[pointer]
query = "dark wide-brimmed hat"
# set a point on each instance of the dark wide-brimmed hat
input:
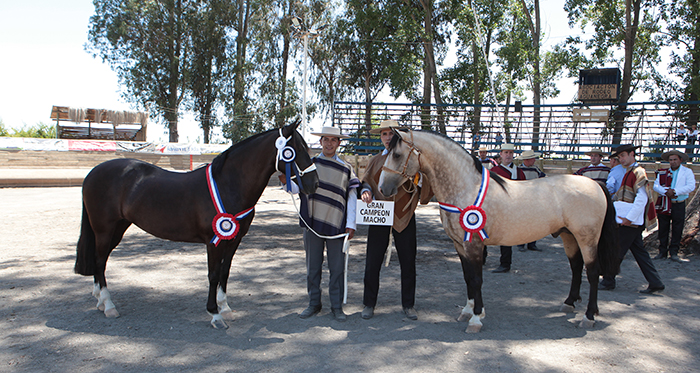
(384, 125)
(624, 148)
(684, 157)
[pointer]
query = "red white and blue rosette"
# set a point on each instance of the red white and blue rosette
(472, 218)
(225, 225)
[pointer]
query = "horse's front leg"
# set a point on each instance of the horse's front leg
(215, 264)
(471, 258)
(221, 300)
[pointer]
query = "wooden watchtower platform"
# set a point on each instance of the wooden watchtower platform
(99, 124)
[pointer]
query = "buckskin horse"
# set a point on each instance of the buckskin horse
(480, 208)
(212, 205)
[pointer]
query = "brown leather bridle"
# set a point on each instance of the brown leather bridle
(413, 150)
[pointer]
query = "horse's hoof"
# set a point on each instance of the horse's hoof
(112, 312)
(464, 317)
(567, 308)
(586, 323)
(101, 307)
(228, 315)
(473, 328)
(218, 322)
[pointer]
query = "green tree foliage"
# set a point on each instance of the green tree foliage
(148, 44)
(207, 74)
(39, 130)
(3, 131)
(683, 20)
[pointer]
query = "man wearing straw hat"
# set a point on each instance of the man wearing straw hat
(485, 160)
(327, 215)
(531, 171)
(403, 229)
(596, 170)
(507, 170)
(673, 185)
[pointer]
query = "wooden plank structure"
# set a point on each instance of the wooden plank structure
(99, 124)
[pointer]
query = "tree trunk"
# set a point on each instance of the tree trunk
(630, 35)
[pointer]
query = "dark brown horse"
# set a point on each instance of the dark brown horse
(180, 206)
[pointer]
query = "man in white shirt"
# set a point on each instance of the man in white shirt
(673, 185)
(634, 212)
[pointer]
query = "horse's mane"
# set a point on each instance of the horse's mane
(475, 161)
(218, 163)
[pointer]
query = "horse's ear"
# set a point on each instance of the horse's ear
(290, 128)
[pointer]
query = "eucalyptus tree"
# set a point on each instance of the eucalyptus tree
(207, 74)
(148, 44)
(429, 23)
(683, 33)
(329, 55)
(625, 34)
(468, 80)
(371, 43)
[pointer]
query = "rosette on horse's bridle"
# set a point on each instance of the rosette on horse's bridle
(286, 154)
(225, 225)
(472, 218)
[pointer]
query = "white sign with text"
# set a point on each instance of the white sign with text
(375, 213)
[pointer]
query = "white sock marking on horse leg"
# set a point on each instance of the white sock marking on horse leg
(475, 323)
(467, 311)
(96, 293)
(218, 322)
(106, 299)
(222, 303)
(586, 323)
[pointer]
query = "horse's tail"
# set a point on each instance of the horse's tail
(608, 247)
(85, 260)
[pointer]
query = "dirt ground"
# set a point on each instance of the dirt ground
(50, 323)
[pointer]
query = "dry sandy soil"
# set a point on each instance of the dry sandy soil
(49, 322)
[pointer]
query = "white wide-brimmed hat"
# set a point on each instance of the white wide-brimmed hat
(596, 151)
(528, 154)
(330, 132)
(385, 124)
(507, 147)
(483, 149)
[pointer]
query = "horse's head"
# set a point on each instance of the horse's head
(299, 161)
(402, 162)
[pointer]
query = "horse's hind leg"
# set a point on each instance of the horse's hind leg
(104, 244)
(576, 264)
(588, 321)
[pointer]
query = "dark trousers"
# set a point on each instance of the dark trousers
(377, 242)
(671, 224)
(631, 239)
(506, 256)
(314, 265)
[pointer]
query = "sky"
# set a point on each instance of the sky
(44, 63)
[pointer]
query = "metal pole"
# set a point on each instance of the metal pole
(303, 105)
